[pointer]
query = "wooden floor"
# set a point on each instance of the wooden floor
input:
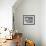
(9, 43)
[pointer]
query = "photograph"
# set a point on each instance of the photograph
(29, 19)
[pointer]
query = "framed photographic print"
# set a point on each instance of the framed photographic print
(28, 19)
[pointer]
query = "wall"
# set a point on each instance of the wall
(43, 22)
(29, 7)
(6, 13)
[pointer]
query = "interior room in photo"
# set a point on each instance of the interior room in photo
(22, 22)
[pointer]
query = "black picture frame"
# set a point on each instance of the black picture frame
(28, 19)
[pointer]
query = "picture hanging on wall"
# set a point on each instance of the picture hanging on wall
(28, 19)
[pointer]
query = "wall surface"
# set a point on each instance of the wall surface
(43, 22)
(6, 13)
(34, 32)
(29, 7)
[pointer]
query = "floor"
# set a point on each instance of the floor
(9, 43)
(13, 42)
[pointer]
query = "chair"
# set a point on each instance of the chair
(29, 43)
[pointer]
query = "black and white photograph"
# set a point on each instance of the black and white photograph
(28, 19)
